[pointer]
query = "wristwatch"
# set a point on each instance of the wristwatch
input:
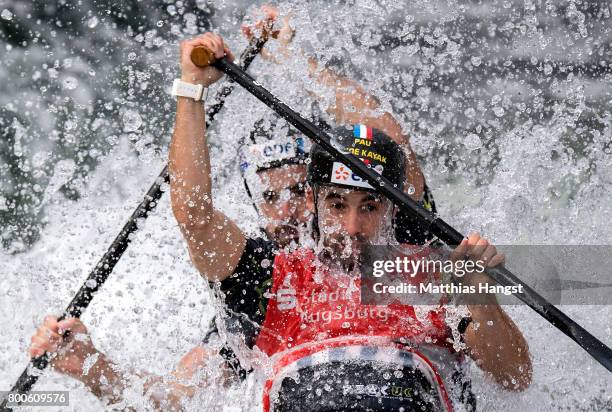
(196, 91)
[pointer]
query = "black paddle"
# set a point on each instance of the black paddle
(105, 266)
(603, 354)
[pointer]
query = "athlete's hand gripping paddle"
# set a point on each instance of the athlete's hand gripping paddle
(441, 229)
(105, 266)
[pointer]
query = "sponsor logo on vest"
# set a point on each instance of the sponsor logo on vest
(379, 391)
(370, 390)
(286, 299)
(345, 313)
(323, 297)
(401, 391)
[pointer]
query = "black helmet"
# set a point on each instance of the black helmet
(372, 146)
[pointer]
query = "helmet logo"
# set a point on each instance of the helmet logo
(341, 173)
(263, 155)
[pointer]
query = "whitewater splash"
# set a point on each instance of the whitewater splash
(506, 104)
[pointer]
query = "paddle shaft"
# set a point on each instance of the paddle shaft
(105, 266)
(437, 226)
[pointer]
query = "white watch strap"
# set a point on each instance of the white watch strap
(195, 91)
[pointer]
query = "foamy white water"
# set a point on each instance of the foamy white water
(519, 151)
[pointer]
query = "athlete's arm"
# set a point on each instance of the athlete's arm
(215, 242)
(70, 355)
(77, 357)
(498, 347)
(170, 393)
(493, 339)
(352, 103)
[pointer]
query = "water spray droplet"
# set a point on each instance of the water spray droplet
(472, 141)
(92, 22)
(6, 14)
(131, 121)
(499, 111)
(70, 83)
(548, 69)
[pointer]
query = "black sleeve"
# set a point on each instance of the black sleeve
(245, 291)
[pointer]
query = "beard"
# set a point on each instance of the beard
(338, 249)
(287, 233)
(342, 251)
(344, 246)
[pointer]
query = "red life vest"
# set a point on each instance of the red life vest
(307, 304)
(309, 309)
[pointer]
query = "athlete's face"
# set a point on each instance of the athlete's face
(349, 219)
(283, 202)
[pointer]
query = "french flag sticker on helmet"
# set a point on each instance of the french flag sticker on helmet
(361, 131)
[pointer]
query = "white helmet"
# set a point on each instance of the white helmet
(270, 146)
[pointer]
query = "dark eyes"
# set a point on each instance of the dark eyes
(368, 207)
(298, 190)
(270, 196)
